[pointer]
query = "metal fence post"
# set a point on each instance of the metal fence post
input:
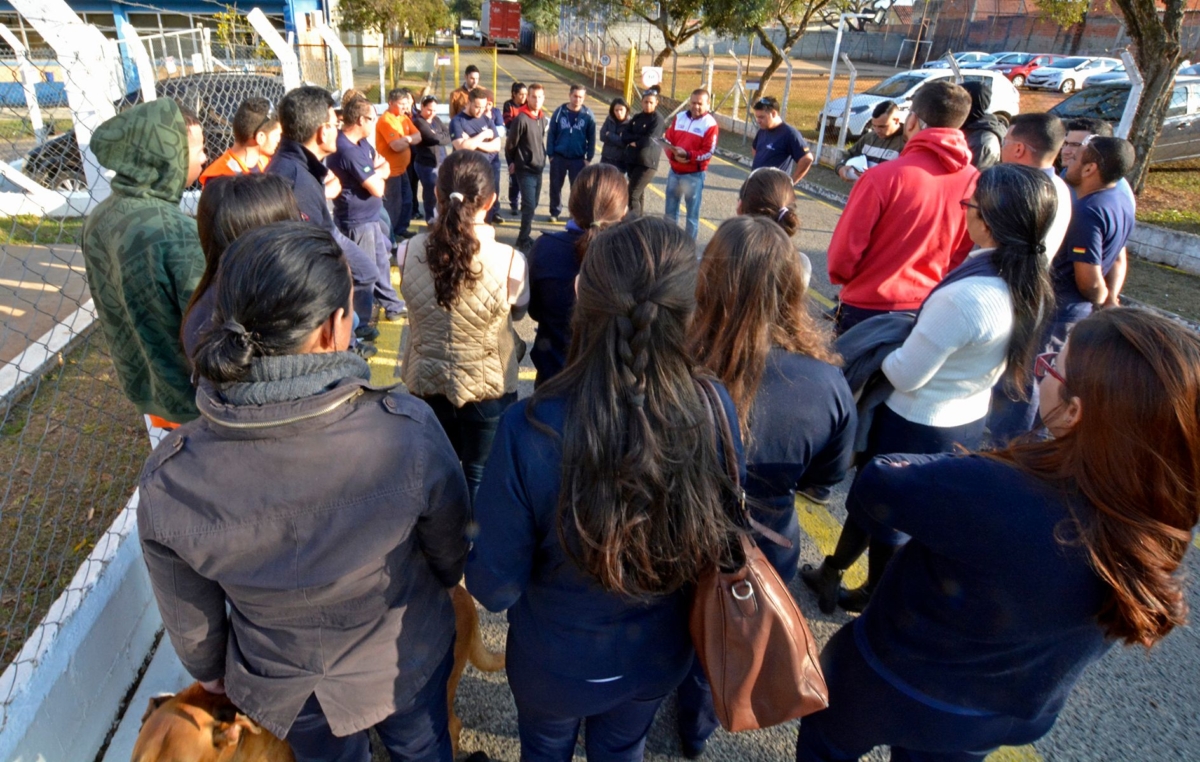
(206, 47)
(289, 64)
(345, 67)
(708, 69)
(137, 51)
(1136, 83)
(29, 77)
(383, 88)
(849, 98)
(456, 69)
(787, 84)
(495, 68)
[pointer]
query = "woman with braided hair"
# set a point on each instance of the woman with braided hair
(463, 290)
(602, 505)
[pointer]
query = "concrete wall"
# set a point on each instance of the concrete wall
(1165, 246)
(64, 691)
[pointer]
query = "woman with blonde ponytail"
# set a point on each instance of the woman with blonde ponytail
(599, 199)
(602, 504)
(463, 290)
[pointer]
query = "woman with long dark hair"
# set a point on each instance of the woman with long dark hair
(769, 192)
(1027, 564)
(229, 206)
(329, 515)
(753, 330)
(599, 199)
(463, 290)
(603, 503)
(981, 325)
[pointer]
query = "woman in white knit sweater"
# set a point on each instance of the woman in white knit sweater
(982, 320)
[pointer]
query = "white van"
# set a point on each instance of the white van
(468, 29)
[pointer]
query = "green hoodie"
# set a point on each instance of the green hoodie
(143, 256)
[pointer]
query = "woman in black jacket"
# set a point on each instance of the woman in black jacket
(335, 570)
(643, 152)
(614, 134)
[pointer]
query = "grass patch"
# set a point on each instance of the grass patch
(30, 229)
(15, 129)
(1171, 196)
(75, 447)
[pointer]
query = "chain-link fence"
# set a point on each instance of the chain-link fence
(71, 445)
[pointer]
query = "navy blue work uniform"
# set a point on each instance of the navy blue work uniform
(802, 426)
(552, 272)
(306, 175)
(570, 145)
(780, 147)
(356, 211)
(465, 126)
(575, 652)
(981, 625)
(427, 156)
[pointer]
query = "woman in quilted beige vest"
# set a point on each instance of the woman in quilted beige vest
(463, 291)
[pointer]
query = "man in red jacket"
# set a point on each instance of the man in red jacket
(904, 226)
(693, 138)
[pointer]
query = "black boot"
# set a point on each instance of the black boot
(878, 556)
(825, 581)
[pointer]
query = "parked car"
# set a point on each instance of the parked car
(1067, 75)
(987, 61)
(961, 58)
(899, 88)
(1018, 66)
(214, 97)
(1116, 75)
(1180, 137)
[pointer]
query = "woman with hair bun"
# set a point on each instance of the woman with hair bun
(599, 199)
(463, 291)
(769, 192)
(1027, 564)
(981, 325)
(296, 500)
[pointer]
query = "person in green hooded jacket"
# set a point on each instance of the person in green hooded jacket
(143, 254)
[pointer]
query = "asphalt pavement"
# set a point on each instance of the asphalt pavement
(1133, 705)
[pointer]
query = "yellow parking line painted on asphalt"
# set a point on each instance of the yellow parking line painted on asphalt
(385, 365)
(1014, 754)
(527, 374)
(824, 530)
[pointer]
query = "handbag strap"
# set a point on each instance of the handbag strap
(724, 432)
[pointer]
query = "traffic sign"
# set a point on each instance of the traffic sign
(605, 60)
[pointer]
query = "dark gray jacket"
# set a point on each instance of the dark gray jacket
(333, 525)
(863, 349)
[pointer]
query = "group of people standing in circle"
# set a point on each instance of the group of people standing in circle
(302, 532)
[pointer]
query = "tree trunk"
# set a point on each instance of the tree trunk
(778, 54)
(672, 39)
(1157, 53)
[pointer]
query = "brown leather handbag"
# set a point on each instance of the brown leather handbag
(754, 644)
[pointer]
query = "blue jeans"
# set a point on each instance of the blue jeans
(471, 429)
(560, 170)
(689, 189)
(428, 178)
(373, 239)
(866, 711)
(397, 200)
(418, 732)
(530, 186)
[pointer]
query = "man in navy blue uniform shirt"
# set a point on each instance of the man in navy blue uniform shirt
(570, 144)
(474, 130)
(1089, 268)
(356, 210)
(309, 125)
(778, 144)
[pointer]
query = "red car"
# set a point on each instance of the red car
(1016, 66)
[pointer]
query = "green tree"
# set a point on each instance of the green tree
(393, 18)
(677, 20)
(542, 14)
(762, 18)
(1156, 29)
(466, 9)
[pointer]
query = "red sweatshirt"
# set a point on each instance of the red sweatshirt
(697, 136)
(903, 227)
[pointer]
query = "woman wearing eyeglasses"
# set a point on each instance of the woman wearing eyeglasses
(1027, 564)
(980, 324)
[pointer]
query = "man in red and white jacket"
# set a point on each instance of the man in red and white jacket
(693, 138)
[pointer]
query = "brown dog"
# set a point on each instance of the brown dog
(197, 726)
(468, 646)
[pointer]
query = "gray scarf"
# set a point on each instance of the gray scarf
(284, 378)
